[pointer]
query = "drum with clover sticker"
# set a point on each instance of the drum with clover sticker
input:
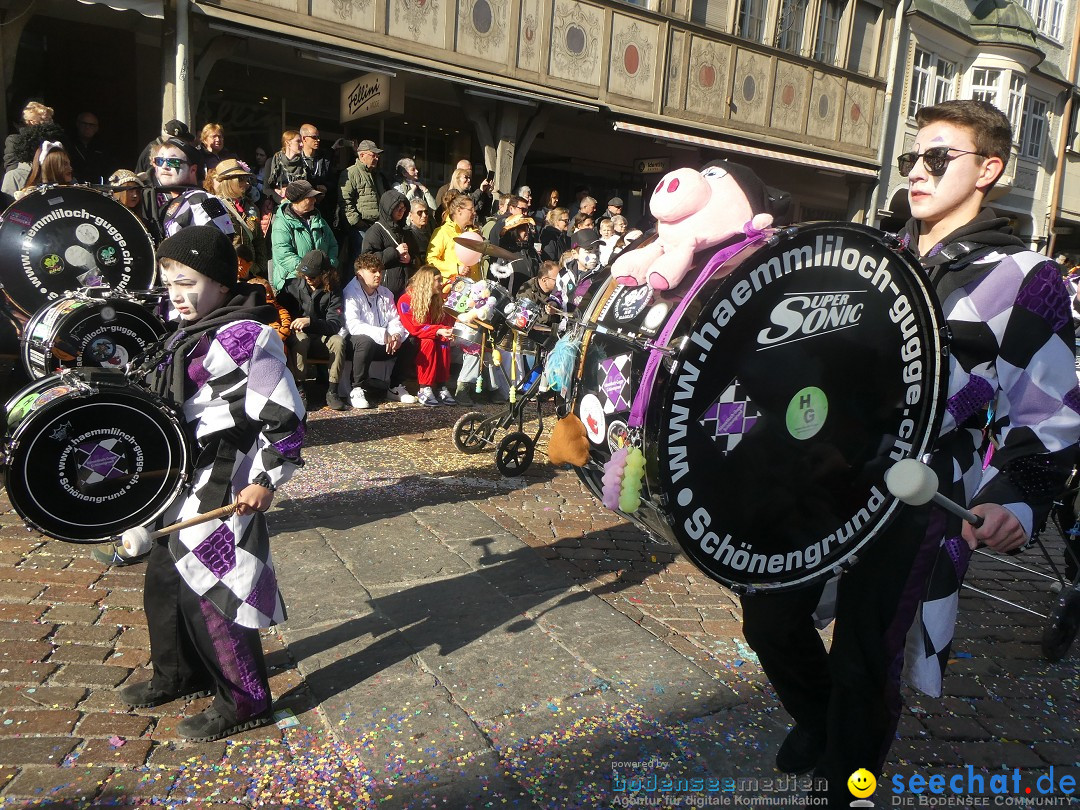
(768, 394)
(57, 239)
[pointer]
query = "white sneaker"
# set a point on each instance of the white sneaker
(358, 399)
(445, 397)
(427, 397)
(399, 393)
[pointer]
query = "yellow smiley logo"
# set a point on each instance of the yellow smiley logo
(861, 783)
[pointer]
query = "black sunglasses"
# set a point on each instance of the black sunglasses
(936, 160)
(172, 162)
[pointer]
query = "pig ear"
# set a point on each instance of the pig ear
(761, 221)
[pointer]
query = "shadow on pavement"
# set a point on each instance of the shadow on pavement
(502, 598)
(398, 495)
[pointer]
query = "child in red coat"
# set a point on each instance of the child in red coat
(422, 314)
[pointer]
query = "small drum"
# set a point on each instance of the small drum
(468, 337)
(88, 328)
(769, 394)
(60, 238)
(87, 454)
(522, 315)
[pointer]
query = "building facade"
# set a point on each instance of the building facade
(818, 96)
(1017, 55)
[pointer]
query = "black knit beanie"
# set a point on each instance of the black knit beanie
(205, 249)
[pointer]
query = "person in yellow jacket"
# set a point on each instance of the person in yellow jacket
(459, 218)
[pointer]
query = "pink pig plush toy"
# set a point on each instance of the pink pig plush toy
(694, 210)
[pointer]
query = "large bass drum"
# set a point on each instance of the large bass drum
(769, 393)
(59, 238)
(87, 454)
(91, 328)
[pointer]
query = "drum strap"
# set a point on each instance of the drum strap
(656, 354)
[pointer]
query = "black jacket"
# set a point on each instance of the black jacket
(324, 307)
(383, 237)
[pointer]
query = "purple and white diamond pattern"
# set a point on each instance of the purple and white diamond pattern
(729, 416)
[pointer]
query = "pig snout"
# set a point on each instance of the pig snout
(679, 194)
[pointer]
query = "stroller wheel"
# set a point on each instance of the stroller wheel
(472, 433)
(1064, 624)
(515, 454)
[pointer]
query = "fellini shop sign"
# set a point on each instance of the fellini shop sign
(373, 95)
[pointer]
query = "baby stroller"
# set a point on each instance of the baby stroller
(476, 431)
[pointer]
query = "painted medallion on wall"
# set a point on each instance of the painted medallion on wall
(858, 115)
(482, 29)
(751, 98)
(575, 42)
(826, 99)
(419, 20)
(707, 78)
(633, 49)
(529, 35)
(790, 97)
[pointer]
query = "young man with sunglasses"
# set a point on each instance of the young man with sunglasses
(180, 202)
(1011, 353)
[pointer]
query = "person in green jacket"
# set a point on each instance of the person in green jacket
(298, 228)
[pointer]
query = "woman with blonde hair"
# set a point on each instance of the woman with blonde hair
(441, 250)
(423, 316)
(34, 113)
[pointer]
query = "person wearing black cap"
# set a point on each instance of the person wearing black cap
(211, 588)
(314, 301)
(586, 246)
(297, 229)
(170, 129)
(180, 201)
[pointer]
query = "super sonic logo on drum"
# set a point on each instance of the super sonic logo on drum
(814, 365)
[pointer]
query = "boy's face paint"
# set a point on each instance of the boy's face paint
(946, 198)
(192, 294)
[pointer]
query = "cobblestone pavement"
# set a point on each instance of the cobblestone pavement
(460, 639)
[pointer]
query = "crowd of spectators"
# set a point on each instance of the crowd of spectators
(357, 262)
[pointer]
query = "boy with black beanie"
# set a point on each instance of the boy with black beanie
(210, 588)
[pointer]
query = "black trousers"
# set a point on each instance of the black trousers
(193, 645)
(848, 696)
(366, 351)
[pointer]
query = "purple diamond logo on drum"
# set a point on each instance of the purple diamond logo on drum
(615, 383)
(99, 461)
(730, 416)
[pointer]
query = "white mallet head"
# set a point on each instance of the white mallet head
(911, 481)
(137, 541)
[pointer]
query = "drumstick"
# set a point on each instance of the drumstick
(915, 483)
(137, 541)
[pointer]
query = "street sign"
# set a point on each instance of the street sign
(651, 165)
